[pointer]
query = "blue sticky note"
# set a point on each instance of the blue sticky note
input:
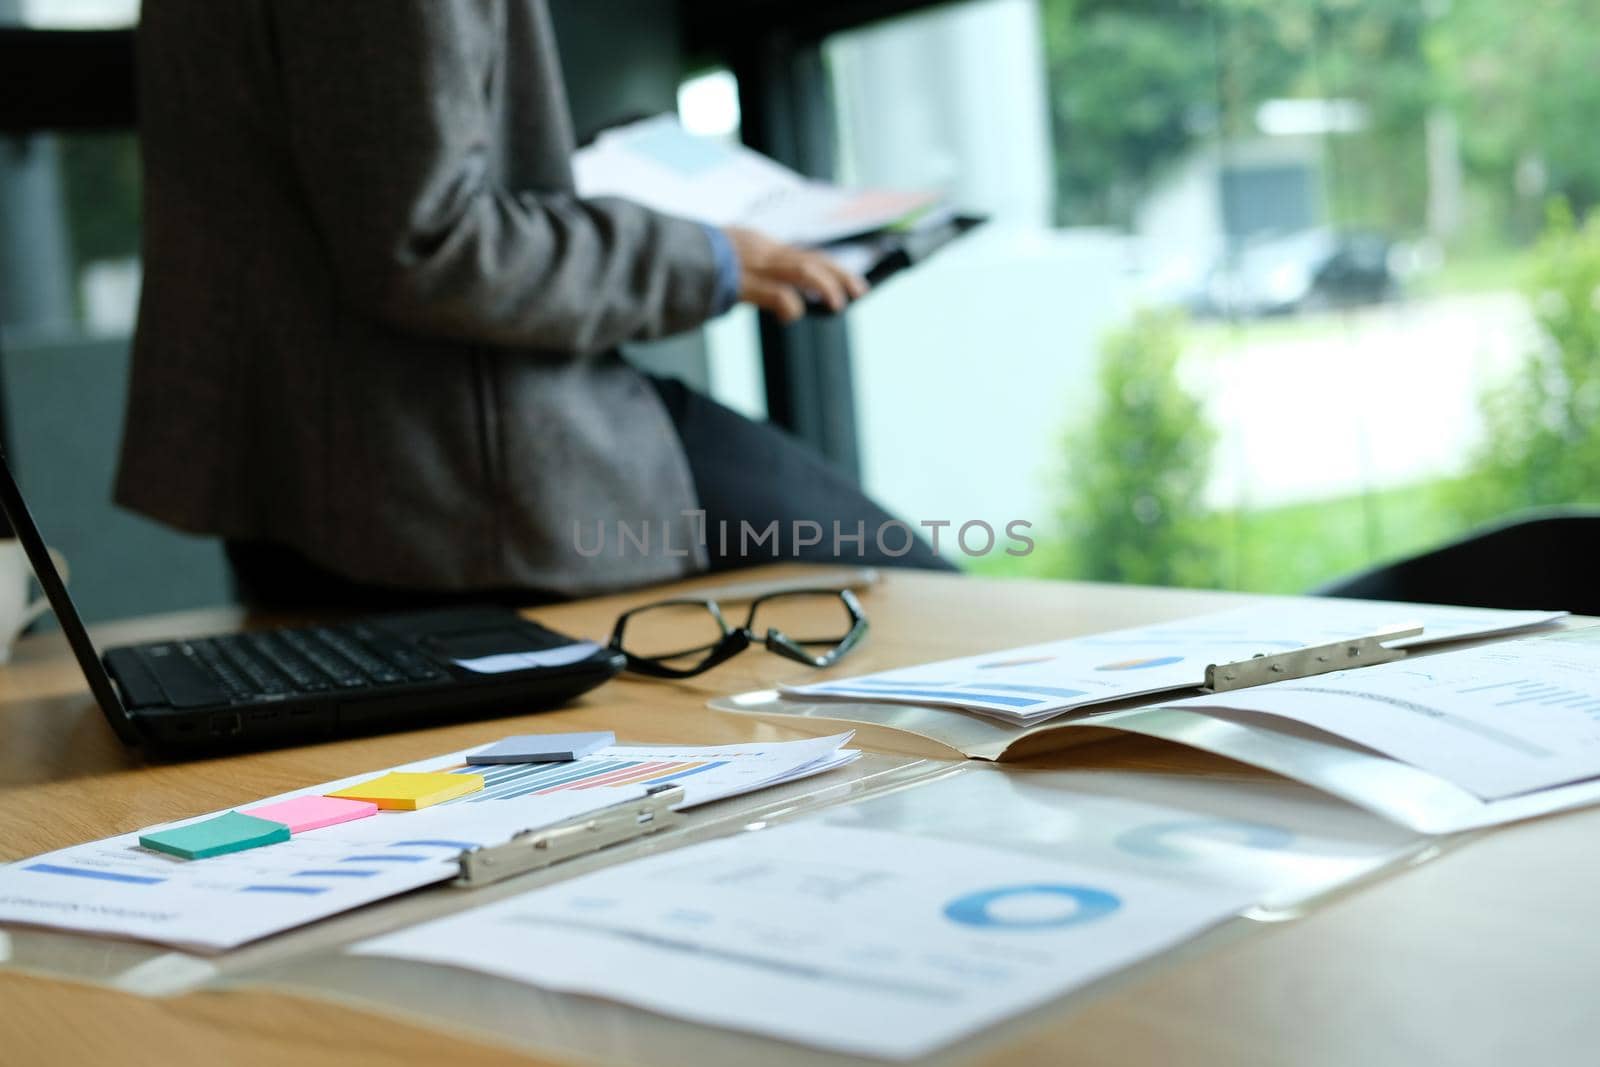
(232, 832)
(544, 748)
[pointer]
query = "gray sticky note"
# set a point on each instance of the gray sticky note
(544, 748)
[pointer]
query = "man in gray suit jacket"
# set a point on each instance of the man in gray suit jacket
(377, 339)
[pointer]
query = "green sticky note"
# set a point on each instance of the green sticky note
(232, 832)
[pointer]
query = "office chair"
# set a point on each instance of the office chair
(1537, 559)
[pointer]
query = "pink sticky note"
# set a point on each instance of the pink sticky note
(313, 813)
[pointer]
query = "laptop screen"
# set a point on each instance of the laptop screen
(55, 590)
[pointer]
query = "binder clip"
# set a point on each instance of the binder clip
(1308, 662)
(534, 850)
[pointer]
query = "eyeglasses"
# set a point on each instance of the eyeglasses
(683, 638)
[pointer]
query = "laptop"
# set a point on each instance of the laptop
(295, 684)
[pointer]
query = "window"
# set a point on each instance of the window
(1271, 292)
(69, 284)
(708, 105)
(69, 267)
(69, 206)
(69, 14)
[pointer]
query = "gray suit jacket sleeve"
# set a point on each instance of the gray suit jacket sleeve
(400, 155)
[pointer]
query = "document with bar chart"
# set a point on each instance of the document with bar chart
(116, 887)
(1498, 721)
(1026, 686)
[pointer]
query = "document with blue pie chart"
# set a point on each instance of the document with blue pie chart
(1029, 685)
(862, 941)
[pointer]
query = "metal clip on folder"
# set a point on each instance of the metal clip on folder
(534, 850)
(1308, 662)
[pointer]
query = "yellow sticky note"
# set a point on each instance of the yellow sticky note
(409, 790)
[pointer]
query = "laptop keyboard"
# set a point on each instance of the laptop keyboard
(279, 663)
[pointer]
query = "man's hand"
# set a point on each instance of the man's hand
(777, 277)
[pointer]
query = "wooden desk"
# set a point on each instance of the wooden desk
(1489, 953)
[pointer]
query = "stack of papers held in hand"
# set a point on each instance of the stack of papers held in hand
(656, 162)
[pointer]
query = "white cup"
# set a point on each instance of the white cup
(16, 610)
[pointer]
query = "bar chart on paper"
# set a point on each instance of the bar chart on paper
(705, 773)
(532, 780)
(1538, 692)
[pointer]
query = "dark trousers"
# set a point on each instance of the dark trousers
(748, 475)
